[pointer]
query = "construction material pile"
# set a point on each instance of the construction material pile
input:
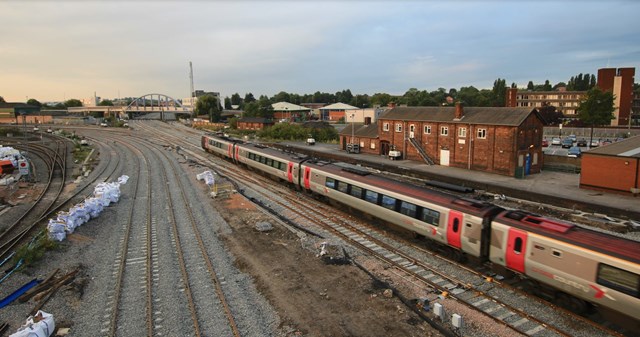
(10, 154)
(66, 222)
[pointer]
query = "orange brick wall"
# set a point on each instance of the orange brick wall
(610, 173)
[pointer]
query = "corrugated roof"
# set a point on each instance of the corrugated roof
(626, 148)
(286, 106)
(339, 106)
(471, 115)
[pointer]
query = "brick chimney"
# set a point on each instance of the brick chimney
(459, 111)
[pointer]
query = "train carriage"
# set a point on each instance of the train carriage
(281, 165)
(219, 145)
(589, 266)
(449, 220)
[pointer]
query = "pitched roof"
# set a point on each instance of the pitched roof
(626, 148)
(339, 106)
(471, 115)
(286, 106)
(361, 130)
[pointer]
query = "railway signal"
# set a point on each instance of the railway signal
(23, 166)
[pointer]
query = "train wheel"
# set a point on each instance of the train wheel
(571, 303)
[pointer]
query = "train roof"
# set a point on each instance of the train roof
(368, 178)
(285, 155)
(608, 244)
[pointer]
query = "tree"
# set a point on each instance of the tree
(549, 114)
(2, 100)
(208, 104)
(105, 102)
(34, 102)
(596, 108)
(248, 98)
(547, 86)
(227, 103)
(72, 103)
(499, 92)
(530, 86)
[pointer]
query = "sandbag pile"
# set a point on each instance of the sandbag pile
(40, 325)
(10, 154)
(207, 176)
(66, 222)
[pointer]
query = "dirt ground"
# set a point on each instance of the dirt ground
(313, 298)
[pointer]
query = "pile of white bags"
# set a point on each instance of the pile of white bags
(207, 176)
(66, 222)
(40, 325)
(11, 154)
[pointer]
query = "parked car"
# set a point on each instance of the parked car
(595, 143)
(567, 143)
(555, 141)
(573, 138)
(103, 124)
(606, 142)
(49, 130)
(545, 143)
(574, 152)
(582, 142)
(35, 128)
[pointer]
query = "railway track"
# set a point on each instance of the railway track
(473, 289)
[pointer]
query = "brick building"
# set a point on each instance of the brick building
(254, 123)
(566, 102)
(620, 83)
(505, 141)
(613, 168)
(336, 112)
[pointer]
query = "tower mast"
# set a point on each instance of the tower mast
(193, 93)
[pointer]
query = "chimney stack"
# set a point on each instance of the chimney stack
(459, 111)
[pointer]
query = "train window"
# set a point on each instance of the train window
(343, 187)
(252, 156)
(283, 166)
(456, 225)
(268, 161)
(388, 202)
(517, 246)
(430, 216)
(408, 209)
(556, 253)
(618, 279)
(330, 182)
(371, 196)
(356, 191)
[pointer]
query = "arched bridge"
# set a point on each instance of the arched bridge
(155, 106)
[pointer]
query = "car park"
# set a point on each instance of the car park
(555, 141)
(581, 142)
(574, 152)
(567, 143)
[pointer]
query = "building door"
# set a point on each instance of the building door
(384, 148)
(412, 129)
(516, 249)
(454, 228)
(444, 157)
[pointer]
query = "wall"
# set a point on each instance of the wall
(610, 173)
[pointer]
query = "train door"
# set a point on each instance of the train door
(516, 249)
(290, 172)
(230, 151)
(307, 178)
(237, 157)
(454, 228)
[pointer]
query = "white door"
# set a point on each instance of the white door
(444, 157)
(412, 128)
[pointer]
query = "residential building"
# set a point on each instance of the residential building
(566, 102)
(620, 83)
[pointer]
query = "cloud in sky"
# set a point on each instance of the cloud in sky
(68, 49)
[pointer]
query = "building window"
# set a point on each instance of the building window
(385, 127)
(372, 145)
(462, 132)
(398, 127)
(444, 131)
(482, 133)
(427, 129)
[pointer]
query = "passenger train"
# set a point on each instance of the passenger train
(576, 267)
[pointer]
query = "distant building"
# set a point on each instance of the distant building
(285, 111)
(620, 83)
(17, 113)
(566, 102)
(254, 123)
(336, 112)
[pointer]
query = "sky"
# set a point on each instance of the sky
(58, 50)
